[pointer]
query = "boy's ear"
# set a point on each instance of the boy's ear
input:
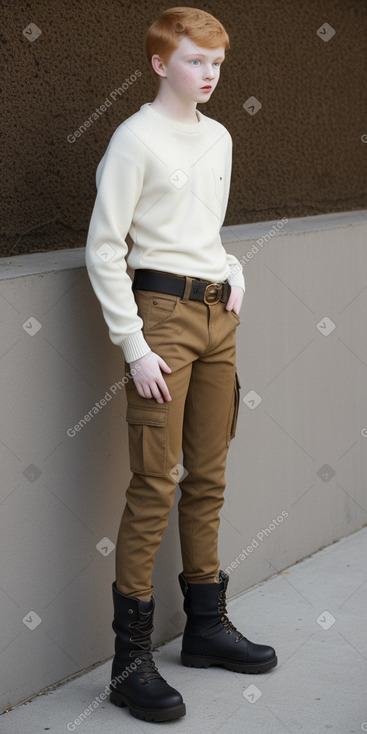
(158, 65)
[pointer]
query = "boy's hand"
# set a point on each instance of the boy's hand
(149, 380)
(235, 299)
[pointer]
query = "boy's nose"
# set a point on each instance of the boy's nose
(209, 73)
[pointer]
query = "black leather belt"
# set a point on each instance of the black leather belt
(201, 290)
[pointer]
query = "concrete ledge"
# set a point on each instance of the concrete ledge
(41, 262)
(297, 225)
(46, 262)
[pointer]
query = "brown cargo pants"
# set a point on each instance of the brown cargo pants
(198, 342)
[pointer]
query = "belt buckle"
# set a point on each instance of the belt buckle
(213, 293)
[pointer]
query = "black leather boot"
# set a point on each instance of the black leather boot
(136, 682)
(211, 639)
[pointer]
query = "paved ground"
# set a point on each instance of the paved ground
(314, 614)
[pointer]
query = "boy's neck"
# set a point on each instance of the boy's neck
(176, 109)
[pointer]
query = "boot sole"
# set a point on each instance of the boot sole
(201, 661)
(174, 712)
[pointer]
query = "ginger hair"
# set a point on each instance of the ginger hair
(200, 27)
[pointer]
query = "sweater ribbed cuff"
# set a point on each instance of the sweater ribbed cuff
(134, 347)
(237, 279)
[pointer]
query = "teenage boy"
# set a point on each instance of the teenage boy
(164, 181)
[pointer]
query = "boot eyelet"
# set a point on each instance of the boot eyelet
(131, 611)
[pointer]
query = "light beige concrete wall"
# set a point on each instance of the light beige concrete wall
(296, 469)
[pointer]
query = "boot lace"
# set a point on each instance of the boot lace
(227, 624)
(147, 668)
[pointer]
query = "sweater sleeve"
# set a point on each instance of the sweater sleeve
(236, 276)
(119, 183)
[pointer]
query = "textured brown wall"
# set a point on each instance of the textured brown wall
(302, 153)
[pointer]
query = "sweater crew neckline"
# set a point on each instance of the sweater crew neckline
(196, 128)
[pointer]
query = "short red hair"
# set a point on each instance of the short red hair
(165, 33)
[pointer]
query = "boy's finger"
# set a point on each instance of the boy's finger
(157, 395)
(164, 366)
(164, 390)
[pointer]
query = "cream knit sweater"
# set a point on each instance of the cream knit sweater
(165, 184)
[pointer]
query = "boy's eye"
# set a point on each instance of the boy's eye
(197, 61)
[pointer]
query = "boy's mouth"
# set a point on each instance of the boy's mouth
(207, 87)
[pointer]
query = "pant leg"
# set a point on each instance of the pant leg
(155, 438)
(209, 424)
(155, 444)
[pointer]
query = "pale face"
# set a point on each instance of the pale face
(189, 70)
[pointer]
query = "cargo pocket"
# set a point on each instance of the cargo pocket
(147, 439)
(233, 416)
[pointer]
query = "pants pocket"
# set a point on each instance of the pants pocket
(160, 309)
(233, 416)
(147, 439)
(235, 317)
